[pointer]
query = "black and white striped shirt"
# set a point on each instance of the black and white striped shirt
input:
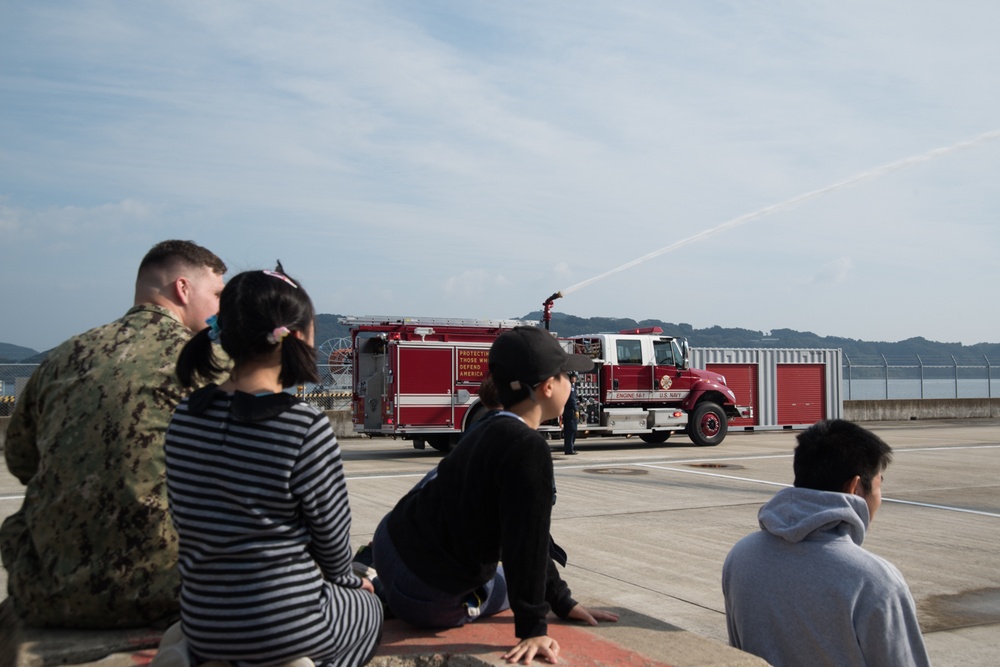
(258, 497)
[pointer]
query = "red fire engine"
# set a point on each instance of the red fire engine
(418, 379)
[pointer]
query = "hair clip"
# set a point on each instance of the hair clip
(213, 328)
(276, 336)
(281, 276)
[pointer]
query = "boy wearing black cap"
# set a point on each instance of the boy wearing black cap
(437, 552)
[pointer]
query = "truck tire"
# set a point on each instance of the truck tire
(442, 443)
(708, 425)
(478, 413)
(655, 438)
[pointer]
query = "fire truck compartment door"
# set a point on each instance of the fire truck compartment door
(373, 388)
(425, 380)
(666, 418)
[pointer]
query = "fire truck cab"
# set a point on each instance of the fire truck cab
(643, 384)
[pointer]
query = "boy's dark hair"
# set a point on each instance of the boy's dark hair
(522, 357)
(508, 397)
(252, 305)
(832, 452)
(188, 253)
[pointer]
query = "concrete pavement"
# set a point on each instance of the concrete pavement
(647, 528)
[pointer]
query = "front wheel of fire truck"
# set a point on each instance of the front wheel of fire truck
(708, 425)
(655, 438)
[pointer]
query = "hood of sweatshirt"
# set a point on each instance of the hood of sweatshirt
(795, 514)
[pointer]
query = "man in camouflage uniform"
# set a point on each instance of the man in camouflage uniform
(93, 545)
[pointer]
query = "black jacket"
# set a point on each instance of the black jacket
(491, 500)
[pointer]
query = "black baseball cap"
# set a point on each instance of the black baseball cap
(525, 356)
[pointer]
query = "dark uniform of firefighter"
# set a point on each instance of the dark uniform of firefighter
(569, 418)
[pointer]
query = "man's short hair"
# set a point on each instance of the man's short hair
(169, 254)
(832, 452)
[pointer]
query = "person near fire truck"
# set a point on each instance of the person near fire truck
(92, 545)
(438, 552)
(569, 419)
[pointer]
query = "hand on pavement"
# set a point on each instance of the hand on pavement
(591, 616)
(527, 649)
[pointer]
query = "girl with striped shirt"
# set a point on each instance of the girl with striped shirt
(257, 494)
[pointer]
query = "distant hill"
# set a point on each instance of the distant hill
(15, 353)
(329, 331)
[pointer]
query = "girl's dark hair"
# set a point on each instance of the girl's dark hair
(253, 304)
(488, 394)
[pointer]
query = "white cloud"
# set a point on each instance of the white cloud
(28, 226)
(562, 271)
(411, 155)
(10, 221)
(473, 283)
(836, 271)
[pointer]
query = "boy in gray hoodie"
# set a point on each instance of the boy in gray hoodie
(802, 590)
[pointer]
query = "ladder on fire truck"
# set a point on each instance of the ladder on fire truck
(378, 320)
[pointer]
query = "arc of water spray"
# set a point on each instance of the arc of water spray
(736, 222)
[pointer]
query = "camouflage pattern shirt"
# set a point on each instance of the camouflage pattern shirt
(93, 545)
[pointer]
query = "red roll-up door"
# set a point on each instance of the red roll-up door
(742, 379)
(801, 393)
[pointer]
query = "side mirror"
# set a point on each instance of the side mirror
(685, 355)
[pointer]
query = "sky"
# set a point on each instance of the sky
(462, 158)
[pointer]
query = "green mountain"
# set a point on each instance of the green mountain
(15, 353)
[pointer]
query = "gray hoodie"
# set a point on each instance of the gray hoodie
(802, 591)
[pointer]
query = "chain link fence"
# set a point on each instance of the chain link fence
(12, 379)
(872, 379)
(918, 378)
(334, 389)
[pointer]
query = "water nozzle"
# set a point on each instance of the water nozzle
(547, 308)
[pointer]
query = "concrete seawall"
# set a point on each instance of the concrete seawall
(927, 408)
(858, 411)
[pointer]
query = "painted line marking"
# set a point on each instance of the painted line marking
(767, 483)
(664, 465)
